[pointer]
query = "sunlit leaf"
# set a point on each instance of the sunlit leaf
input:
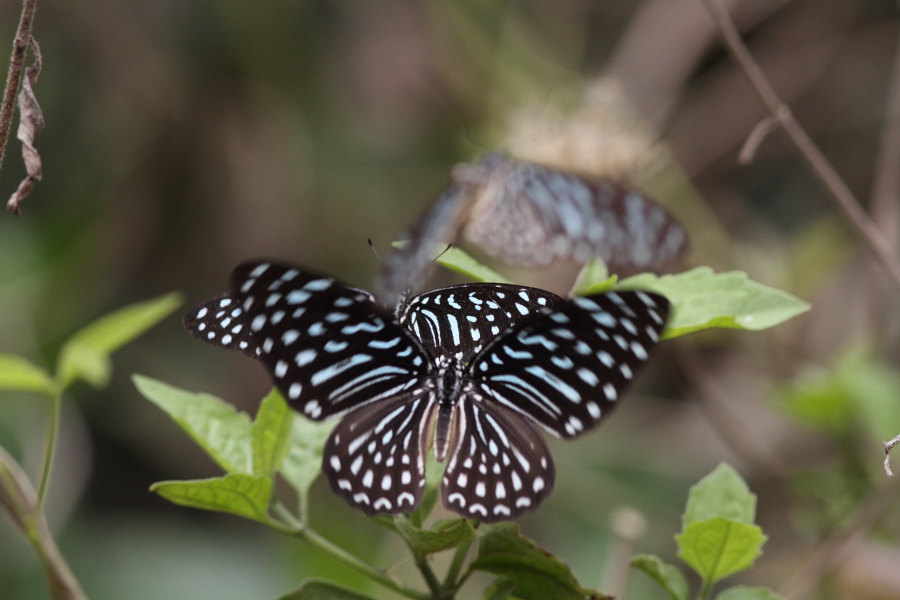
(17, 373)
(595, 279)
(537, 574)
(722, 493)
(270, 433)
(443, 535)
(315, 589)
(236, 493)
(459, 261)
(703, 299)
(719, 547)
(669, 577)
(216, 426)
(85, 355)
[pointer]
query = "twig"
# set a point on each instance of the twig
(756, 137)
(817, 162)
(888, 446)
(291, 525)
(14, 76)
(838, 545)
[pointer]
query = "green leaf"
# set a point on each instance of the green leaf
(501, 589)
(722, 493)
(719, 547)
(857, 390)
(270, 433)
(740, 592)
(216, 426)
(236, 493)
(595, 279)
(85, 355)
(317, 589)
(537, 574)
(443, 535)
(460, 261)
(303, 461)
(702, 299)
(669, 577)
(18, 373)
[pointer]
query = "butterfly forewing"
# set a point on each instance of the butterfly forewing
(327, 347)
(567, 367)
(375, 457)
(501, 466)
(460, 320)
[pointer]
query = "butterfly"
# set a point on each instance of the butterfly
(479, 368)
(529, 214)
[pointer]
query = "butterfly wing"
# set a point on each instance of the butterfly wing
(328, 348)
(501, 466)
(530, 214)
(460, 320)
(567, 367)
(409, 267)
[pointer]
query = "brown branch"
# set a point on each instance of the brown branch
(14, 76)
(840, 193)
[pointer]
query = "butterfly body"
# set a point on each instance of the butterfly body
(477, 368)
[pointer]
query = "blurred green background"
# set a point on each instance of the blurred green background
(185, 136)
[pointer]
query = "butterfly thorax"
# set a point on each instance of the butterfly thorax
(449, 382)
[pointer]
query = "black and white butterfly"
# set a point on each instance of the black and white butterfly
(480, 366)
(529, 214)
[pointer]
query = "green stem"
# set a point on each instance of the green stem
(53, 418)
(459, 557)
(291, 525)
(704, 592)
(427, 573)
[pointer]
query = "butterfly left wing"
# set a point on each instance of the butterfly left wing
(375, 457)
(461, 319)
(327, 347)
(567, 367)
(501, 466)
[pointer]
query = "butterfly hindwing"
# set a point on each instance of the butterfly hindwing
(501, 467)
(327, 346)
(375, 457)
(567, 367)
(460, 320)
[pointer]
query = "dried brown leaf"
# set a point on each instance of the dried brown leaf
(31, 123)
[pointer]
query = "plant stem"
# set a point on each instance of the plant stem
(705, 590)
(459, 557)
(427, 573)
(55, 410)
(841, 195)
(14, 76)
(291, 525)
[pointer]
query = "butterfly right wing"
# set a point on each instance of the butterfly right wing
(328, 348)
(501, 466)
(461, 319)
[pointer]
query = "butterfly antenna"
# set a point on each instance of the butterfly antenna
(443, 252)
(375, 252)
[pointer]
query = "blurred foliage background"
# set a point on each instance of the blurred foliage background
(184, 136)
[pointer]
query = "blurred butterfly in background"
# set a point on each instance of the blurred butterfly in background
(527, 214)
